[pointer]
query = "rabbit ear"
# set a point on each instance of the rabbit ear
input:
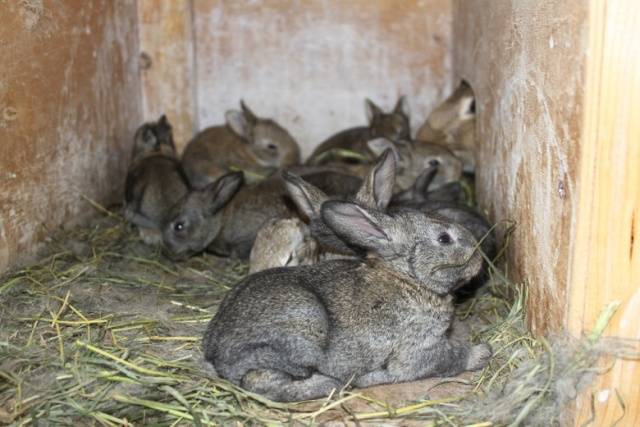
(238, 123)
(402, 106)
(373, 111)
(308, 198)
(164, 122)
(222, 191)
(467, 108)
(418, 191)
(355, 225)
(377, 188)
(248, 114)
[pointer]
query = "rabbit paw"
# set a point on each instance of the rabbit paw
(479, 356)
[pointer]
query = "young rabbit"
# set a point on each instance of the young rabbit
(445, 202)
(155, 181)
(375, 192)
(452, 124)
(225, 216)
(283, 243)
(393, 126)
(413, 159)
(291, 242)
(246, 142)
(298, 333)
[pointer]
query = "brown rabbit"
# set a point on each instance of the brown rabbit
(155, 181)
(246, 142)
(452, 124)
(393, 126)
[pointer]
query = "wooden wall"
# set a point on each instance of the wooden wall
(558, 100)
(69, 103)
(525, 61)
(606, 250)
(308, 64)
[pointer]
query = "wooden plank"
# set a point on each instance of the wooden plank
(68, 111)
(525, 61)
(606, 250)
(167, 64)
(310, 64)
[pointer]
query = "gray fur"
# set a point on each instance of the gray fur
(297, 333)
(155, 181)
(230, 228)
(374, 192)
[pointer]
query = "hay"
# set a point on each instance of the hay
(104, 330)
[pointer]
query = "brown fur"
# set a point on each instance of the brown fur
(452, 124)
(393, 125)
(246, 142)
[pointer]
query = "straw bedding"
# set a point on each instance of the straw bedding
(104, 330)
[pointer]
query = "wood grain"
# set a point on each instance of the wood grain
(167, 50)
(69, 105)
(525, 62)
(606, 250)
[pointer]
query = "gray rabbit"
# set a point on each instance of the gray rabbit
(225, 216)
(155, 181)
(298, 333)
(375, 192)
(246, 142)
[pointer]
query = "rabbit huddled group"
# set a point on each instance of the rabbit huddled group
(354, 256)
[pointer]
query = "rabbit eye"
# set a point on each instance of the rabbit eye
(271, 146)
(178, 226)
(434, 162)
(445, 239)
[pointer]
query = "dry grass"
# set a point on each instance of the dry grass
(106, 331)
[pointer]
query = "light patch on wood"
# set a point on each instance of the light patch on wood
(75, 97)
(528, 100)
(310, 65)
(606, 260)
(168, 64)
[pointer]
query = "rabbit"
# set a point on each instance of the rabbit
(374, 192)
(283, 243)
(246, 142)
(413, 158)
(155, 181)
(393, 126)
(452, 124)
(297, 333)
(225, 217)
(446, 202)
(290, 242)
